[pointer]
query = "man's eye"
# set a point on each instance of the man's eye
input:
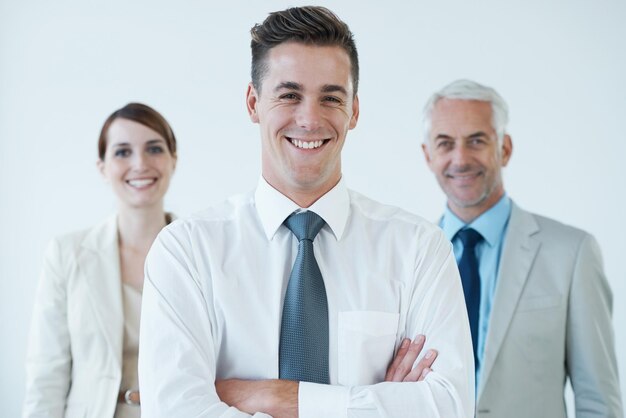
(122, 152)
(444, 144)
(332, 99)
(289, 96)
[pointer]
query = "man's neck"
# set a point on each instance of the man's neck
(469, 213)
(304, 197)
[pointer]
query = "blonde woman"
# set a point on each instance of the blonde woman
(82, 355)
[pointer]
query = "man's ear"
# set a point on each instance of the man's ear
(507, 149)
(355, 112)
(426, 152)
(252, 99)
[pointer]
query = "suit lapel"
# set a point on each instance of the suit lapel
(518, 254)
(100, 265)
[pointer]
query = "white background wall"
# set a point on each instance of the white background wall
(66, 65)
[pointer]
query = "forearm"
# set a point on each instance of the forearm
(46, 391)
(430, 398)
(286, 399)
(278, 398)
(48, 357)
(591, 359)
(48, 369)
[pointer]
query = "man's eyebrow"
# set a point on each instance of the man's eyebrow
(331, 88)
(477, 134)
(288, 85)
(442, 136)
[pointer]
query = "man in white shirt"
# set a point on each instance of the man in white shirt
(215, 311)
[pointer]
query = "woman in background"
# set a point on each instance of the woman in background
(82, 354)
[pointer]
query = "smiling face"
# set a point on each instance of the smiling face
(463, 152)
(137, 163)
(305, 108)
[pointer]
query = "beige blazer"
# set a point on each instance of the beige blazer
(551, 319)
(74, 357)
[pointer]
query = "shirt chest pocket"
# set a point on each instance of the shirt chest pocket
(366, 341)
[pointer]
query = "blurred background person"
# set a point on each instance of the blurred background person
(82, 352)
(538, 301)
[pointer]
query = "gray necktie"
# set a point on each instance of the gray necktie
(304, 329)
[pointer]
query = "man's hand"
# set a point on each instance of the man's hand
(401, 368)
(278, 398)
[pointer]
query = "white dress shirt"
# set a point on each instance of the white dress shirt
(213, 297)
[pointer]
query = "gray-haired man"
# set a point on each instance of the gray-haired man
(537, 298)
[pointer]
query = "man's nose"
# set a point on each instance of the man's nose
(460, 154)
(309, 115)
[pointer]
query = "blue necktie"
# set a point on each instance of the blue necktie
(303, 353)
(470, 277)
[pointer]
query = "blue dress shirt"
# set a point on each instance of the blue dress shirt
(492, 225)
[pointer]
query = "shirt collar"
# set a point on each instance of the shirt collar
(274, 207)
(490, 224)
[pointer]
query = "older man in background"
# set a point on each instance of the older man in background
(538, 302)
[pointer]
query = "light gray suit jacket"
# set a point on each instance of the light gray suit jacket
(74, 358)
(551, 319)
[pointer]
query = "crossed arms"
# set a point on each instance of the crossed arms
(279, 398)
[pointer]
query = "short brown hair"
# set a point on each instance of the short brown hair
(145, 115)
(310, 25)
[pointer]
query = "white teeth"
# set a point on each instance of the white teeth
(141, 183)
(306, 144)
